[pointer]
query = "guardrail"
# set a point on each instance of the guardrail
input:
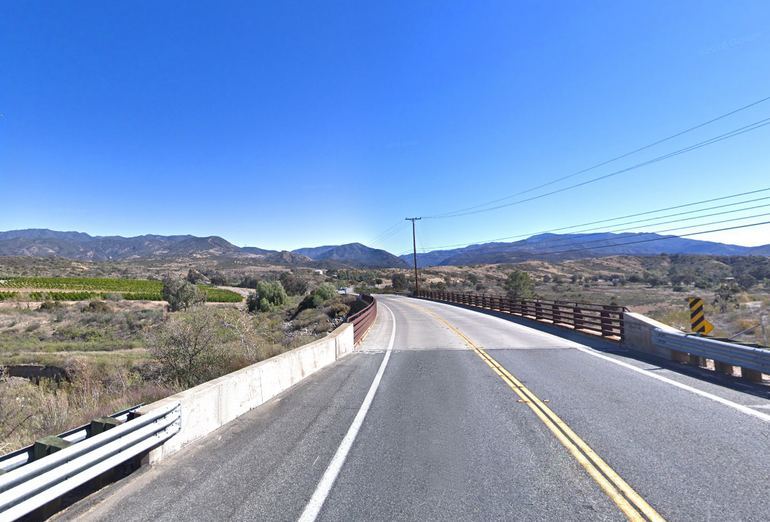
(602, 320)
(364, 319)
(752, 361)
(22, 456)
(31, 486)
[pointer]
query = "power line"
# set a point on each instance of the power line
(731, 134)
(622, 156)
(607, 220)
(562, 239)
(387, 233)
(649, 240)
(578, 240)
(566, 241)
(664, 238)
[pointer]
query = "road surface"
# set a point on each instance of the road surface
(451, 414)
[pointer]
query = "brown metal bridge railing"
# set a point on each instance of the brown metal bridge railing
(364, 319)
(602, 320)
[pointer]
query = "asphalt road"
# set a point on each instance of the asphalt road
(456, 431)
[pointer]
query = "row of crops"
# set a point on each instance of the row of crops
(82, 283)
(82, 289)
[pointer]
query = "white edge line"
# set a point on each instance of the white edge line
(740, 407)
(716, 398)
(316, 502)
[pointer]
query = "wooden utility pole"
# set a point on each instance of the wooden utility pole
(414, 250)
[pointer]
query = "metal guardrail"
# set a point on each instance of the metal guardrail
(728, 353)
(603, 320)
(22, 456)
(364, 319)
(28, 487)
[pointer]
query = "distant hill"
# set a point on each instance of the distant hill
(577, 246)
(84, 247)
(81, 246)
(352, 254)
(551, 247)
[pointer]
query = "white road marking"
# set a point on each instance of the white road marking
(721, 400)
(313, 507)
(716, 398)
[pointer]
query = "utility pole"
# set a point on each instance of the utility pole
(414, 250)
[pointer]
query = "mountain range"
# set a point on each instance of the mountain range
(82, 246)
(575, 246)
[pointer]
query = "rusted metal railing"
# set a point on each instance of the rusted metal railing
(363, 319)
(603, 320)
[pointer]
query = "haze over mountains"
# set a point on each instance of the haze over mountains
(82, 246)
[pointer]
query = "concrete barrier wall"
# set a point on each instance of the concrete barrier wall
(212, 404)
(638, 336)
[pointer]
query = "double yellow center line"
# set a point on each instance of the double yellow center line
(629, 501)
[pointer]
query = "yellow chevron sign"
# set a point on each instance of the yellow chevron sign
(698, 321)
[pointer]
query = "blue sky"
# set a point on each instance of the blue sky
(289, 124)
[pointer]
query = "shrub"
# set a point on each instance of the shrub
(186, 348)
(293, 284)
(195, 277)
(399, 282)
(181, 294)
(268, 294)
(248, 282)
(317, 298)
(217, 279)
(98, 307)
(50, 306)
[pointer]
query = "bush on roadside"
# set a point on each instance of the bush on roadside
(187, 348)
(204, 343)
(268, 294)
(181, 294)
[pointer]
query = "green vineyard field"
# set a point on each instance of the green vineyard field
(85, 288)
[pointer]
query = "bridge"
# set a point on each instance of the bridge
(456, 409)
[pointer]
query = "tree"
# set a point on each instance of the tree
(399, 282)
(293, 284)
(181, 294)
(187, 348)
(248, 282)
(317, 298)
(268, 295)
(195, 277)
(726, 296)
(217, 278)
(519, 285)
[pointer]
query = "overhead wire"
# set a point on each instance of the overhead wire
(704, 143)
(622, 156)
(600, 240)
(387, 233)
(608, 220)
(566, 241)
(674, 236)
(571, 237)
